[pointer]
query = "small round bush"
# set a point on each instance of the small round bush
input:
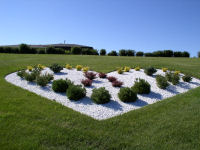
(49, 77)
(175, 79)
(90, 75)
(56, 68)
(76, 92)
(111, 79)
(42, 80)
(86, 82)
(141, 87)
(172, 77)
(102, 75)
(29, 77)
(21, 73)
(59, 85)
(69, 82)
(187, 78)
(168, 76)
(117, 83)
(150, 71)
(100, 95)
(127, 95)
(161, 82)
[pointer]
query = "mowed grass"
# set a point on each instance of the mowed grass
(28, 121)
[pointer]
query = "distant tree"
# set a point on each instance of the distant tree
(102, 52)
(51, 50)
(24, 49)
(86, 51)
(122, 52)
(89, 51)
(168, 53)
(140, 53)
(7, 49)
(59, 51)
(199, 54)
(177, 54)
(130, 52)
(158, 53)
(113, 53)
(2, 50)
(148, 54)
(76, 50)
(185, 54)
(41, 50)
(95, 52)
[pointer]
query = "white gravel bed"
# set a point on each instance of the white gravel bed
(115, 106)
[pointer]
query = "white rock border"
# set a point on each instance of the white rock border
(115, 106)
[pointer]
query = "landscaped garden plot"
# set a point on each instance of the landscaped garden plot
(115, 106)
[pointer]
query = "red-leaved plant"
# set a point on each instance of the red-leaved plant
(117, 83)
(111, 79)
(102, 75)
(86, 82)
(90, 75)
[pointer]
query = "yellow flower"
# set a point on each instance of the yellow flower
(30, 68)
(164, 69)
(79, 67)
(85, 69)
(127, 69)
(67, 66)
(177, 72)
(41, 66)
(137, 68)
(120, 70)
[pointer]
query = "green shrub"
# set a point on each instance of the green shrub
(141, 87)
(127, 95)
(69, 82)
(76, 92)
(49, 77)
(172, 77)
(175, 79)
(56, 68)
(76, 50)
(187, 78)
(59, 85)
(30, 77)
(42, 80)
(150, 71)
(21, 73)
(168, 76)
(100, 95)
(161, 82)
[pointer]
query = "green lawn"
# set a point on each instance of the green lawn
(28, 121)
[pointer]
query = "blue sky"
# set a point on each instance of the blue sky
(142, 25)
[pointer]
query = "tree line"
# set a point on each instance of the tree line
(25, 49)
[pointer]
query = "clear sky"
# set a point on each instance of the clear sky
(142, 25)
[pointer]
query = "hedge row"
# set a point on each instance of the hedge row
(25, 49)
